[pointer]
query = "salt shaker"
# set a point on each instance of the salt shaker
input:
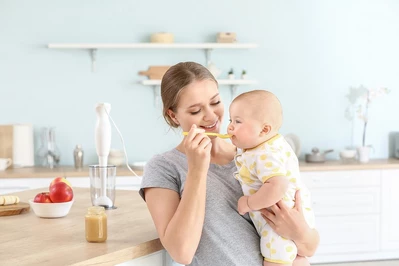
(78, 157)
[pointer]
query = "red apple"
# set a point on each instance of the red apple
(61, 192)
(42, 197)
(60, 179)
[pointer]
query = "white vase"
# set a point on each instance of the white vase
(363, 153)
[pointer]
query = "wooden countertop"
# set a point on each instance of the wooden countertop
(70, 171)
(65, 171)
(338, 165)
(29, 240)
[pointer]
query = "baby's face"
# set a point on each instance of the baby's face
(244, 127)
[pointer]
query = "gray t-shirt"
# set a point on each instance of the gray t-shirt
(227, 237)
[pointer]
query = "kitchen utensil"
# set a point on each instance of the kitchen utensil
(214, 70)
(347, 154)
(14, 209)
(316, 156)
(78, 157)
(48, 152)
(16, 142)
(155, 72)
(98, 193)
(116, 157)
(222, 136)
(103, 145)
(51, 210)
(5, 163)
(294, 142)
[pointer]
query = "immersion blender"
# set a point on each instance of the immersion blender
(103, 146)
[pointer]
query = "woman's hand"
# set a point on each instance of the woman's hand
(288, 223)
(197, 147)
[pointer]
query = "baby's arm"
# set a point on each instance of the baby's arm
(270, 193)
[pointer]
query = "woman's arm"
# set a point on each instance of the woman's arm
(179, 221)
(291, 224)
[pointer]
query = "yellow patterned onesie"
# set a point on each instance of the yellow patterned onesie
(255, 166)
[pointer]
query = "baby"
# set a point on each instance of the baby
(268, 169)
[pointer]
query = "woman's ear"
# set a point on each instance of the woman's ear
(172, 116)
(266, 129)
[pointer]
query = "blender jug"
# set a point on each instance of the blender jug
(102, 185)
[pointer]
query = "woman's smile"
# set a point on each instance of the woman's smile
(211, 127)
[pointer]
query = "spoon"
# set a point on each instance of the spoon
(222, 136)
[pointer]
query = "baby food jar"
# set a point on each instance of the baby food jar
(96, 224)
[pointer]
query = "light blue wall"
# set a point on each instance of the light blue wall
(310, 53)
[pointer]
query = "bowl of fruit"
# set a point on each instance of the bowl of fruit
(55, 203)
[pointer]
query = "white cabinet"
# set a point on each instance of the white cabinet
(390, 210)
(356, 214)
(348, 234)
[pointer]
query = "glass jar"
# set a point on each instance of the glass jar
(96, 224)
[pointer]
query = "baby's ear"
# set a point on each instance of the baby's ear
(266, 129)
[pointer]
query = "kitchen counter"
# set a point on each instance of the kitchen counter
(70, 171)
(65, 171)
(338, 165)
(29, 240)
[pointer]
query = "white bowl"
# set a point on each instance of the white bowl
(347, 154)
(51, 210)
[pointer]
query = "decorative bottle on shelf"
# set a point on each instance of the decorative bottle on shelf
(78, 157)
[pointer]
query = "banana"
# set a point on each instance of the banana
(8, 200)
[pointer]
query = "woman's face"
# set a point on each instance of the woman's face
(199, 104)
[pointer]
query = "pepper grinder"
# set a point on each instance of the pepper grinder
(78, 157)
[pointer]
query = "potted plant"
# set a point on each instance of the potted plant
(231, 74)
(360, 100)
(244, 74)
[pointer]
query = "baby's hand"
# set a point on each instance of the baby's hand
(243, 207)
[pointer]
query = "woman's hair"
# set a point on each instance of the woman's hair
(175, 80)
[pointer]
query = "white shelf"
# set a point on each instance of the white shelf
(152, 45)
(93, 47)
(232, 82)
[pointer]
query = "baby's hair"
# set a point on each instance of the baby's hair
(265, 104)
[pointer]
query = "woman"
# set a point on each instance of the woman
(191, 192)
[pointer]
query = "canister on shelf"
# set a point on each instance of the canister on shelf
(96, 224)
(162, 37)
(78, 157)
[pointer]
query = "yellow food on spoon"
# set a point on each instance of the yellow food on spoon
(8, 200)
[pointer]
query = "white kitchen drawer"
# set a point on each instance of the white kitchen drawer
(348, 234)
(390, 211)
(345, 201)
(341, 179)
